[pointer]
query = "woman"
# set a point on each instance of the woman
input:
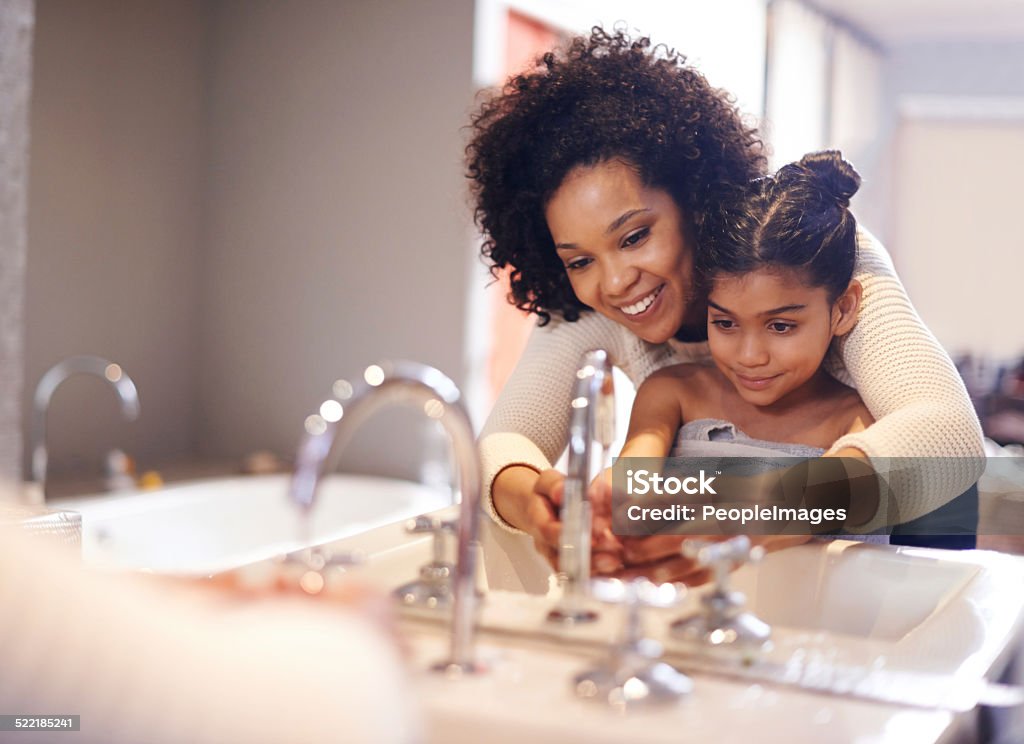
(593, 175)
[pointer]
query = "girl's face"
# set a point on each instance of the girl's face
(625, 247)
(768, 331)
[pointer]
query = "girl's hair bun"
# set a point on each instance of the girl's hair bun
(796, 219)
(832, 174)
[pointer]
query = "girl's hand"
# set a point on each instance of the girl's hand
(606, 548)
(658, 558)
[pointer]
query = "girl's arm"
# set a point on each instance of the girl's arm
(911, 387)
(655, 418)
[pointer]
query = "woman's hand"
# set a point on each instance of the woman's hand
(530, 501)
(542, 510)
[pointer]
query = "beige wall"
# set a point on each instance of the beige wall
(956, 118)
(240, 202)
(336, 218)
(114, 220)
(960, 249)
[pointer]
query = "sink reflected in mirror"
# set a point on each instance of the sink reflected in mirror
(208, 526)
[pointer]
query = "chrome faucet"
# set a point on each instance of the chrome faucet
(51, 380)
(593, 420)
(634, 672)
(439, 398)
(721, 619)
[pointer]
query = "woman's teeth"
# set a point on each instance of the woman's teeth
(638, 307)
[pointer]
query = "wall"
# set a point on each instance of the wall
(956, 68)
(826, 91)
(240, 202)
(114, 217)
(956, 119)
(337, 227)
(16, 21)
(944, 68)
(958, 245)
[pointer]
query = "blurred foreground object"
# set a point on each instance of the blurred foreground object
(169, 663)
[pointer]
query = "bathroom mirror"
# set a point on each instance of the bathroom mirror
(240, 202)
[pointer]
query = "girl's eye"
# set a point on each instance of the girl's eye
(723, 325)
(635, 237)
(780, 327)
(577, 263)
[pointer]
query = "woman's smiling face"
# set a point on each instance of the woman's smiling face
(625, 248)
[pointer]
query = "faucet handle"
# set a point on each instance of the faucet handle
(721, 621)
(639, 592)
(433, 589)
(637, 595)
(315, 568)
(318, 558)
(634, 672)
(711, 553)
(431, 525)
(439, 528)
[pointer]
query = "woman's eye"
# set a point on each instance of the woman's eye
(577, 263)
(635, 237)
(723, 325)
(780, 327)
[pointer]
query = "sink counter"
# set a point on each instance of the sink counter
(913, 668)
(527, 697)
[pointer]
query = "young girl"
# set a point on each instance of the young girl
(777, 266)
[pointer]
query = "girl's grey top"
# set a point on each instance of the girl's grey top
(716, 438)
(719, 438)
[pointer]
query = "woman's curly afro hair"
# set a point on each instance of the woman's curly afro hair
(601, 98)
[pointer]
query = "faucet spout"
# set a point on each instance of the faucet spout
(407, 383)
(593, 420)
(52, 379)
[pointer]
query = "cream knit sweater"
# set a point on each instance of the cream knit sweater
(905, 378)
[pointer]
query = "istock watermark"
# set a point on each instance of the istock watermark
(766, 495)
(644, 482)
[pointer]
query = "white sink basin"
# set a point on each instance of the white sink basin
(213, 525)
(852, 589)
(912, 609)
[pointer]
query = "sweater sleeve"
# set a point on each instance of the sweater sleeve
(529, 424)
(916, 395)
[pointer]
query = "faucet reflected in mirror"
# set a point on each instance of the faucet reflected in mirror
(407, 383)
(48, 384)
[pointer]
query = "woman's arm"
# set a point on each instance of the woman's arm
(529, 425)
(911, 387)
